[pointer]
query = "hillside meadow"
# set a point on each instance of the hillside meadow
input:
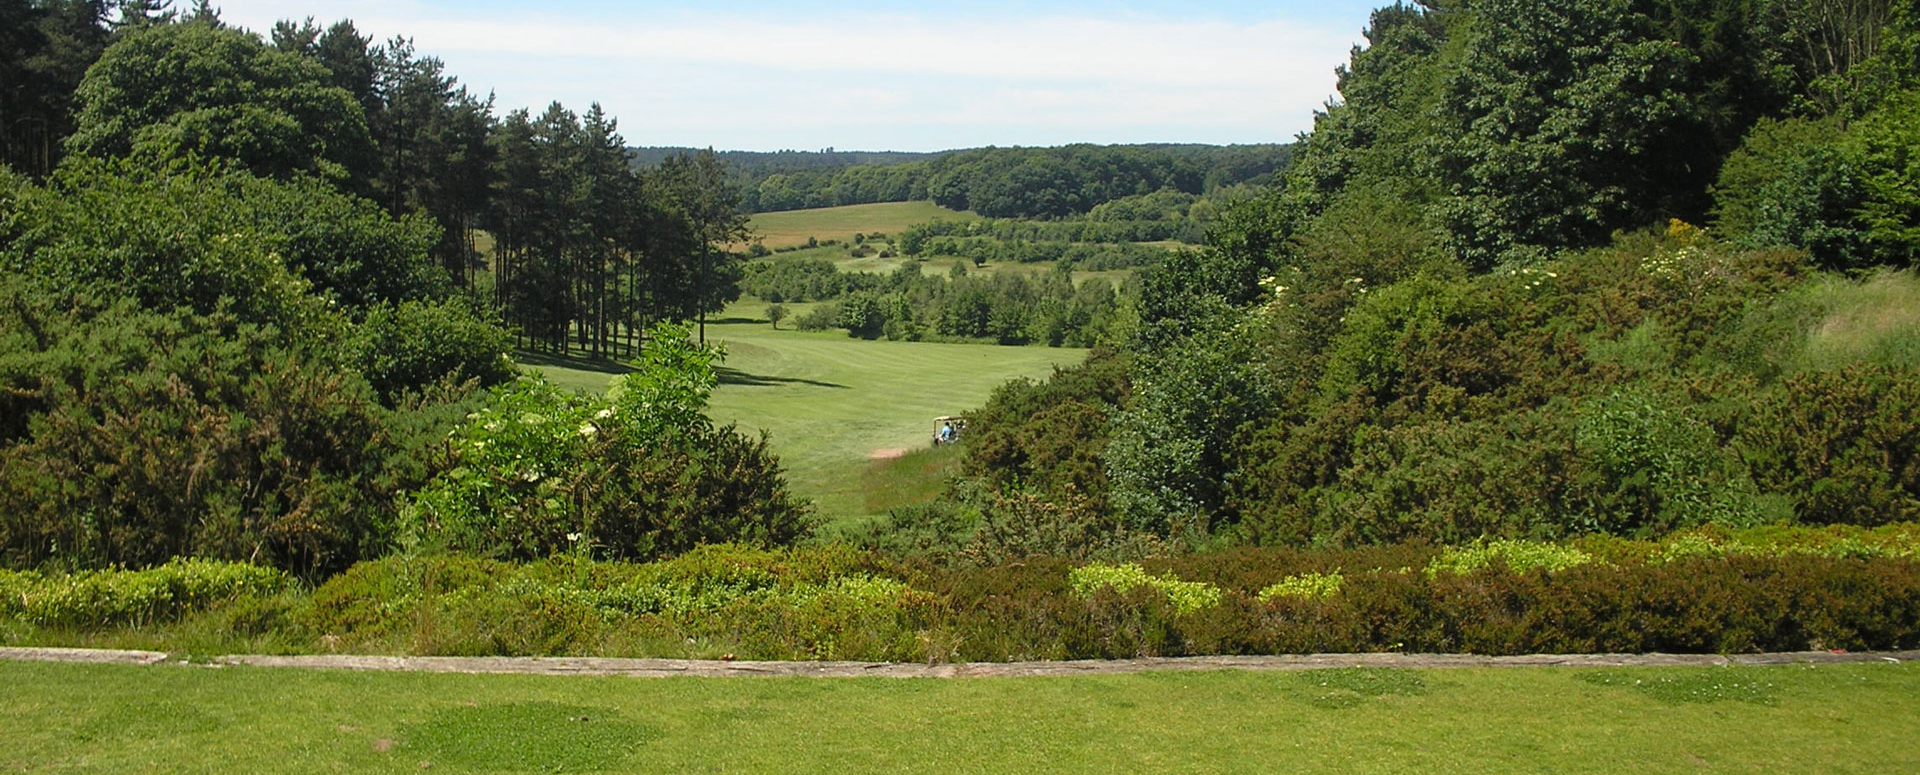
(794, 227)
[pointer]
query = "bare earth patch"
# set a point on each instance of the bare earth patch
(887, 453)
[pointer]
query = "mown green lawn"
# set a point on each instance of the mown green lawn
(1860, 718)
(830, 402)
(793, 227)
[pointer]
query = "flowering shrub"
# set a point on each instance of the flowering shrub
(636, 474)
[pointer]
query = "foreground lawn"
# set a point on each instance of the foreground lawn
(1835, 719)
(793, 227)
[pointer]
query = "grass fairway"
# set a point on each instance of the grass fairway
(793, 227)
(830, 402)
(1859, 718)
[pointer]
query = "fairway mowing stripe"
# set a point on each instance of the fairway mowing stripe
(723, 668)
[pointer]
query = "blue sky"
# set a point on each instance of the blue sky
(766, 75)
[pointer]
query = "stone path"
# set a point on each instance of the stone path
(718, 668)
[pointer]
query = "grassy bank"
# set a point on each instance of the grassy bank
(1851, 718)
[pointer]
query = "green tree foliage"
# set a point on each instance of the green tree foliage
(93, 229)
(252, 245)
(1842, 191)
(405, 346)
(638, 474)
(1887, 144)
(706, 209)
(45, 48)
(1791, 183)
(591, 252)
(173, 91)
(1567, 122)
(907, 305)
(1010, 182)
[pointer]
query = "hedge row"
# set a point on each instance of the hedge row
(1766, 590)
(136, 597)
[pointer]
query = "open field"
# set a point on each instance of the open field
(793, 227)
(107, 718)
(830, 401)
(939, 265)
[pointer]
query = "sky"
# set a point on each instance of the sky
(857, 75)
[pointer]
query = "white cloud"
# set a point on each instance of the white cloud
(709, 72)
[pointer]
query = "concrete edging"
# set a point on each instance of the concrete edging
(608, 666)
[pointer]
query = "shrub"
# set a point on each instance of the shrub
(637, 474)
(132, 597)
(135, 437)
(1187, 596)
(1843, 446)
(1306, 585)
(1514, 556)
(827, 603)
(414, 344)
(820, 318)
(1647, 467)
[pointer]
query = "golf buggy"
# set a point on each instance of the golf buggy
(947, 429)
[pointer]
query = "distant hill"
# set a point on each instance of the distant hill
(768, 162)
(1052, 182)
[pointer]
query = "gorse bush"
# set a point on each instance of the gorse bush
(637, 474)
(133, 437)
(1669, 381)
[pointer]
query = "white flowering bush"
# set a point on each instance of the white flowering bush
(635, 474)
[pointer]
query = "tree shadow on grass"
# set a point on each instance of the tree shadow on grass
(737, 377)
(579, 362)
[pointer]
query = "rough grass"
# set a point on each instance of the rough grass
(830, 401)
(793, 227)
(1876, 319)
(916, 477)
(120, 719)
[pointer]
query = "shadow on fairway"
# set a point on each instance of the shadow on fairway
(578, 362)
(737, 377)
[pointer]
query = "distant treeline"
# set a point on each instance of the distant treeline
(763, 163)
(909, 306)
(996, 182)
